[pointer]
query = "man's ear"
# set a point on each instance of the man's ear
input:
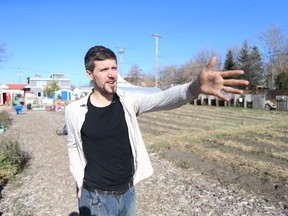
(89, 74)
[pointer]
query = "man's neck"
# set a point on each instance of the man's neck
(100, 100)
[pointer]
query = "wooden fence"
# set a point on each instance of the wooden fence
(259, 101)
(282, 103)
(245, 101)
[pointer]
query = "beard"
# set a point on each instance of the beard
(106, 89)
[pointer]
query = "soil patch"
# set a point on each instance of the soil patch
(229, 175)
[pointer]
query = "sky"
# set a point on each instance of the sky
(45, 37)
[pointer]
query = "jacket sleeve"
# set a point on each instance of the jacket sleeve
(169, 99)
(75, 154)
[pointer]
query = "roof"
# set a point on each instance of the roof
(3, 86)
(130, 88)
(16, 86)
(139, 90)
(127, 87)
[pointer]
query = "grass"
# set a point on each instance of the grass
(250, 142)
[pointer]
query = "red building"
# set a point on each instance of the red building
(8, 91)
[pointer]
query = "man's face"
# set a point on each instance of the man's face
(104, 76)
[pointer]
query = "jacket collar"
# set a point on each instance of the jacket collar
(84, 100)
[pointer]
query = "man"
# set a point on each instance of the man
(106, 151)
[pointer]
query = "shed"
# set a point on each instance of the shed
(65, 95)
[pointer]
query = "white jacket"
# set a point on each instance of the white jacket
(134, 105)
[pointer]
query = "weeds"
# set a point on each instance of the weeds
(12, 158)
(183, 164)
(5, 119)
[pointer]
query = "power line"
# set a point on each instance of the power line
(208, 18)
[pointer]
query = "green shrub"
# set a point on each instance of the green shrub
(5, 119)
(12, 158)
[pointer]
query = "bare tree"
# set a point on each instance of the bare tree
(173, 75)
(188, 72)
(147, 80)
(204, 56)
(167, 76)
(275, 44)
(135, 74)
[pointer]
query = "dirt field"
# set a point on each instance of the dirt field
(227, 146)
(235, 145)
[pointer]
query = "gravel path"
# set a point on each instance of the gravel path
(47, 187)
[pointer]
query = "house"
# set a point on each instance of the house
(9, 92)
(37, 84)
(5, 95)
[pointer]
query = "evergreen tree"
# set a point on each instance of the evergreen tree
(229, 63)
(256, 67)
(244, 62)
(251, 63)
(281, 80)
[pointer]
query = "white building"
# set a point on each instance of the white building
(37, 84)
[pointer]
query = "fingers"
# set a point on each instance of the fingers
(234, 82)
(228, 90)
(231, 73)
(212, 63)
(232, 90)
(221, 96)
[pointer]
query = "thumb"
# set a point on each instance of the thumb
(212, 63)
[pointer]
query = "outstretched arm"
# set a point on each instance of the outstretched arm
(212, 83)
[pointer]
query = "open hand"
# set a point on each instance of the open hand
(213, 83)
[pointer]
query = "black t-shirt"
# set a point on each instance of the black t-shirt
(106, 147)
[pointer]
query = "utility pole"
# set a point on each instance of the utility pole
(156, 66)
(19, 75)
(121, 51)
